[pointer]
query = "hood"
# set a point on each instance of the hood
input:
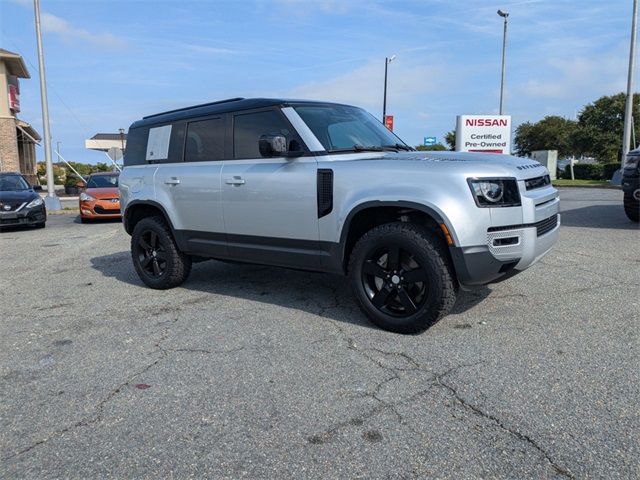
(18, 196)
(472, 163)
(106, 192)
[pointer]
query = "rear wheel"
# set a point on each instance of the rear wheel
(632, 206)
(402, 277)
(155, 255)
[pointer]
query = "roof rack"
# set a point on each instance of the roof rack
(194, 106)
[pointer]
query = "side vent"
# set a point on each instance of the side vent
(325, 191)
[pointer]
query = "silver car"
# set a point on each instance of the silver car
(326, 187)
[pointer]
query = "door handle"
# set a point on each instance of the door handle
(234, 181)
(172, 181)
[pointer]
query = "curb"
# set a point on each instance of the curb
(604, 187)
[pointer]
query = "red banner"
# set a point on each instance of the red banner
(388, 122)
(14, 98)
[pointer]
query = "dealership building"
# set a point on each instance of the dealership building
(18, 139)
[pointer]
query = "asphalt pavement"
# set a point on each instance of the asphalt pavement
(257, 372)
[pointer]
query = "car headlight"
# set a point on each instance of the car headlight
(35, 202)
(495, 192)
(84, 197)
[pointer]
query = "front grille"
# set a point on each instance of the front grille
(13, 206)
(542, 227)
(537, 182)
(547, 225)
(106, 211)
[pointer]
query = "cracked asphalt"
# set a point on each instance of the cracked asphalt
(256, 372)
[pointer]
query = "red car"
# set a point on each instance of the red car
(101, 198)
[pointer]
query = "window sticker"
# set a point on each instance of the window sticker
(158, 143)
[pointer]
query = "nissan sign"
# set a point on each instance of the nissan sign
(484, 133)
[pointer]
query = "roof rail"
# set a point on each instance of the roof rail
(194, 106)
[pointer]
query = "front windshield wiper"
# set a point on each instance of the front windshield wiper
(359, 148)
(398, 146)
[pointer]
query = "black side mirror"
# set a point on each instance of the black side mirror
(37, 188)
(273, 145)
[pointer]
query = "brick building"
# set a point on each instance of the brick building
(18, 139)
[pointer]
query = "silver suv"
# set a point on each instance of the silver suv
(326, 187)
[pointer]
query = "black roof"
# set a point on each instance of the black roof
(222, 106)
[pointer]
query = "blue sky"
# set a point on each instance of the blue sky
(110, 62)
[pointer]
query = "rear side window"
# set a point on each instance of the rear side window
(205, 141)
(249, 127)
(136, 149)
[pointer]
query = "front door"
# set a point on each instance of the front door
(269, 204)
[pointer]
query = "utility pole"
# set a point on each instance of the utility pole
(504, 15)
(387, 61)
(628, 109)
(52, 202)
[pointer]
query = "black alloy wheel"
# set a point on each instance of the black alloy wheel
(156, 257)
(395, 282)
(402, 277)
(151, 254)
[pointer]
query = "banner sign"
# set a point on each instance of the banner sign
(484, 133)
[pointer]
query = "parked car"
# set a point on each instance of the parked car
(631, 185)
(20, 203)
(326, 187)
(100, 198)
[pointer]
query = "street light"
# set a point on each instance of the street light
(387, 61)
(504, 51)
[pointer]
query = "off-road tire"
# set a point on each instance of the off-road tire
(433, 257)
(178, 265)
(631, 207)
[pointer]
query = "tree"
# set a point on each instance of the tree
(450, 138)
(600, 124)
(550, 133)
(438, 147)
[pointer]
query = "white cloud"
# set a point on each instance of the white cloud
(54, 24)
(364, 85)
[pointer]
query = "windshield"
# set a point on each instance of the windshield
(342, 128)
(103, 181)
(12, 183)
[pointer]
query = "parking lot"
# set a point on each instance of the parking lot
(258, 372)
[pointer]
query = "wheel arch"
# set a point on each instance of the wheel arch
(139, 209)
(367, 215)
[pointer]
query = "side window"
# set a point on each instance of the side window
(249, 127)
(136, 149)
(205, 141)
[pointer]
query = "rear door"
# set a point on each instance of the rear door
(270, 204)
(190, 184)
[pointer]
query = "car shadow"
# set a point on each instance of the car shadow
(98, 220)
(322, 294)
(598, 216)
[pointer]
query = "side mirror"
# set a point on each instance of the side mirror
(81, 184)
(273, 145)
(37, 188)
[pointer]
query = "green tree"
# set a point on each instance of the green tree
(550, 133)
(102, 167)
(600, 124)
(450, 138)
(438, 147)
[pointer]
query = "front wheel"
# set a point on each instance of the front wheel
(402, 277)
(632, 206)
(155, 255)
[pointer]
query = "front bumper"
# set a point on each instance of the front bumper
(509, 250)
(99, 209)
(31, 216)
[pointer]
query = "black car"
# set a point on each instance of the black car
(631, 185)
(20, 204)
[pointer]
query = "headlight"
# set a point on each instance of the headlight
(632, 161)
(85, 197)
(35, 202)
(495, 192)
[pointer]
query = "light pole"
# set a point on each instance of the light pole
(51, 200)
(504, 15)
(387, 61)
(628, 108)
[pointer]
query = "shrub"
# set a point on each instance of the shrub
(609, 169)
(585, 171)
